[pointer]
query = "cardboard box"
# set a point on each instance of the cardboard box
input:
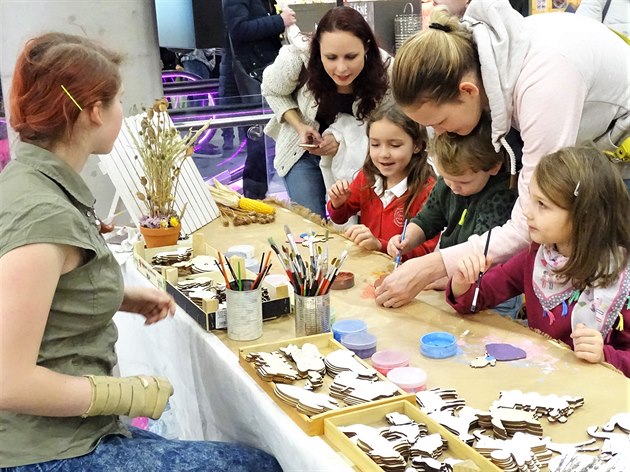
(209, 316)
(375, 416)
(311, 425)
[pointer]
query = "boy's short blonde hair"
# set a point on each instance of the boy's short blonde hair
(457, 154)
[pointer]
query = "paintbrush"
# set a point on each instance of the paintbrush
(402, 238)
(473, 307)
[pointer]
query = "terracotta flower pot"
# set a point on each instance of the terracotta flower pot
(157, 237)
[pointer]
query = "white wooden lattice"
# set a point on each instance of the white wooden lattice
(125, 171)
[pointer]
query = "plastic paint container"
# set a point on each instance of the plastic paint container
(363, 344)
(245, 249)
(438, 345)
(343, 327)
(384, 361)
(410, 379)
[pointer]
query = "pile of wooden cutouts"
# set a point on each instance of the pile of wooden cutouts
(182, 260)
(403, 446)
(510, 433)
(171, 257)
(353, 383)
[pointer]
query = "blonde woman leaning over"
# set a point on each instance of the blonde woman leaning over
(545, 75)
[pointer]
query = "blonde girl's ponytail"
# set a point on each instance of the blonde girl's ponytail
(431, 64)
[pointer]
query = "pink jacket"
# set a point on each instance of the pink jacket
(560, 79)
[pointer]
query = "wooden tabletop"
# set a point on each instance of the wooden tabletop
(548, 369)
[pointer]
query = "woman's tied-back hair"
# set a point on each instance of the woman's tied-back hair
(41, 112)
(370, 85)
(457, 154)
(599, 209)
(430, 65)
(418, 170)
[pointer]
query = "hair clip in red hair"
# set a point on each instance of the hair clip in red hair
(71, 98)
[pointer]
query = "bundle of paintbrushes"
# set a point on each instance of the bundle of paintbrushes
(309, 278)
(238, 281)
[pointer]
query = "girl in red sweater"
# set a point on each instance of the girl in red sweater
(576, 275)
(393, 185)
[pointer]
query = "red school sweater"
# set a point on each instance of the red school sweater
(383, 222)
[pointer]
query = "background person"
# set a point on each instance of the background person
(544, 74)
(255, 29)
(343, 77)
(60, 285)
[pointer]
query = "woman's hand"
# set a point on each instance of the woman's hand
(588, 344)
(402, 285)
(362, 236)
(327, 147)
(308, 135)
(339, 193)
(288, 16)
(153, 304)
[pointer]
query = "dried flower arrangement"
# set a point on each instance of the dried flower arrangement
(162, 151)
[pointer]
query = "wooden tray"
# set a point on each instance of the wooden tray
(375, 416)
(209, 316)
(312, 425)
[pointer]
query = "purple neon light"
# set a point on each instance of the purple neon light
(209, 134)
(227, 115)
(236, 153)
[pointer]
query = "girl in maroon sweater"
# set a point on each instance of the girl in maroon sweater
(576, 277)
(393, 185)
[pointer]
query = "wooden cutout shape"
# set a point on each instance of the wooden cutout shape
(621, 420)
(483, 361)
(272, 366)
(459, 425)
(307, 358)
(305, 401)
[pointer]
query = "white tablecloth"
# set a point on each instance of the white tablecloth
(214, 399)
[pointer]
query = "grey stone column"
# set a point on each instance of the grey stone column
(128, 26)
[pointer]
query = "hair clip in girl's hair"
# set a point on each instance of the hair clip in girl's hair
(577, 189)
(71, 98)
(438, 26)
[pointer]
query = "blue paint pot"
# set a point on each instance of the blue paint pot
(438, 345)
(344, 327)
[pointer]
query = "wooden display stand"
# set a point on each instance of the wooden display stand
(209, 316)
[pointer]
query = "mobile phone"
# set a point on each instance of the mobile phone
(308, 145)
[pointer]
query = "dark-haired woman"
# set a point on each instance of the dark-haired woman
(343, 75)
(544, 75)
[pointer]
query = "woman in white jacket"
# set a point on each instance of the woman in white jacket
(558, 78)
(334, 87)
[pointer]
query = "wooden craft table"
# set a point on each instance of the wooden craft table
(548, 369)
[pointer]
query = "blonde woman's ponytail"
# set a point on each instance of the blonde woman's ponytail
(430, 65)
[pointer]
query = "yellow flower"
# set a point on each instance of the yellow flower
(163, 223)
(174, 221)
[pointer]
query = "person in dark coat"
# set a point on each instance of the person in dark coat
(255, 29)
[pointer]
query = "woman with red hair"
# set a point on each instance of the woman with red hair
(60, 285)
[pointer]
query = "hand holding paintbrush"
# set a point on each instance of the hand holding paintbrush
(470, 271)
